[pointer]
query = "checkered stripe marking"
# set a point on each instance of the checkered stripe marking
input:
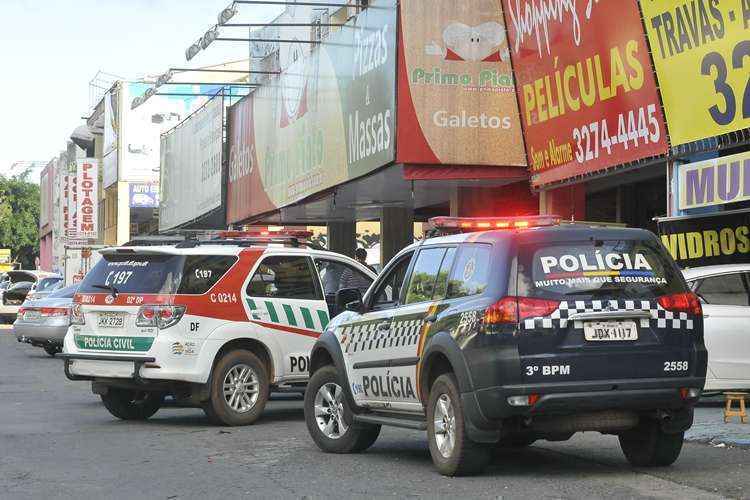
(660, 317)
(366, 337)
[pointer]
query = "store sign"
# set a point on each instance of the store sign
(457, 102)
(701, 50)
(87, 208)
(72, 227)
(722, 238)
(714, 182)
(327, 119)
(191, 159)
(144, 195)
(586, 89)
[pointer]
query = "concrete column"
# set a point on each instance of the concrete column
(396, 231)
(342, 237)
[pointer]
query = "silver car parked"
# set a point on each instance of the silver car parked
(44, 322)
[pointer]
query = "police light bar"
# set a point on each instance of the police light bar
(281, 234)
(469, 224)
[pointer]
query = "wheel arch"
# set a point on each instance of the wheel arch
(442, 355)
(327, 352)
(253, 345)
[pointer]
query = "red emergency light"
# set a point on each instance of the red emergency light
(470, 224)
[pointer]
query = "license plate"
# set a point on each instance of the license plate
(110, 320)
(609, 331)
(32, 316)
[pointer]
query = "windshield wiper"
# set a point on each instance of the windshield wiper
(112, 289)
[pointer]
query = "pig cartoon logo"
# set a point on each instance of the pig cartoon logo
(485, 43)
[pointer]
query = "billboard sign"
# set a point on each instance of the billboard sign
(714, 182)
(191, 159)
(87, 203)
(721, 238)
(327, 119)
(457, 101)
(587, 93)
(701, 51)
(144, 195)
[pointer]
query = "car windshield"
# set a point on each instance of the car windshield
(597, 269)
(64, 293)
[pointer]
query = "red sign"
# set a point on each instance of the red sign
(585, 84)
(246, 195)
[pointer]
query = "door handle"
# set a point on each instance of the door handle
(384, 327)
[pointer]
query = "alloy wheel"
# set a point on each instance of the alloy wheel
(329, 410)
(241, 388)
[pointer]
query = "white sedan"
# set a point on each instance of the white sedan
(724, 291)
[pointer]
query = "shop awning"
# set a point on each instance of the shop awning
(453, 172)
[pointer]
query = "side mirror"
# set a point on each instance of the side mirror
(349, 299)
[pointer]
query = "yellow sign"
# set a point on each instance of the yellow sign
(701, 50)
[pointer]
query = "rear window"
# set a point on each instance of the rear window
(64, 293)
(597, 269)
(156, 274)
(47, 284)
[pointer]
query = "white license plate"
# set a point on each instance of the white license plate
(111, 320)
(610, 331)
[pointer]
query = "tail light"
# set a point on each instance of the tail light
(511, 310)
(686, 302)
(76, 315)
(54, 312)
(22, 310)
(159, 316)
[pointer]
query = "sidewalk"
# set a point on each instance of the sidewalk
(709, 427)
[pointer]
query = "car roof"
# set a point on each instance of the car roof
(699, 272)
(572, 231)
(224, 249)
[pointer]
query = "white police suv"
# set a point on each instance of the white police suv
(509, 331)
(216, 324)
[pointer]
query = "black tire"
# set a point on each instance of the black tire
(355, 438)
(217, 408)
(51, 349)
(466, 457)
(648, 446)
(129, 404)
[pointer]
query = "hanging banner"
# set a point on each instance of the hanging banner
(111, 135)
(72, 230)
(191, 159)
(327, 119)
(87, 208)
(586, 89)
(714, 182)
(701, 50)
(721, 238)
(457, 102)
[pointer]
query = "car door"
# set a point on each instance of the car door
(363, 338)
(391, 376)
(726, 310)
(284, 299)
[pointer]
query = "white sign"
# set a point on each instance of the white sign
(191, 167)
(111, 133)
(87, 176)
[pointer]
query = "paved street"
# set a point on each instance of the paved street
(57, 441)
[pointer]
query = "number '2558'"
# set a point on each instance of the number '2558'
(713, 62)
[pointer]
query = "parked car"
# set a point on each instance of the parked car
(490, 338)
(44, 287)
(724, 291)
(44, 322)
(217, 324)
(13, 298)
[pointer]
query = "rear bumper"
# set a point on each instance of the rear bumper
(122, 366)
(566, 398)
(43, 334)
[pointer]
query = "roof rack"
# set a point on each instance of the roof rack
(295, 239)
